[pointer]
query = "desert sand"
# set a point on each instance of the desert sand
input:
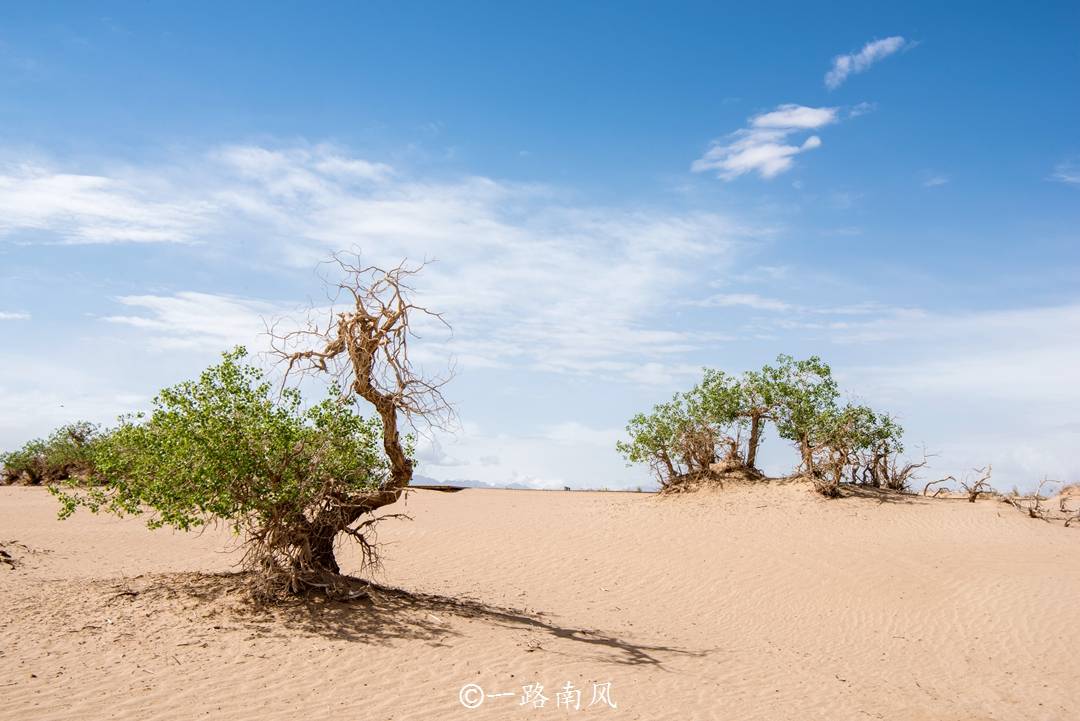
(756, 603)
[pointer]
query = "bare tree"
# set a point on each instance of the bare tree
(946, 479)
(364, 349)
(980, 485)
(1032, 505)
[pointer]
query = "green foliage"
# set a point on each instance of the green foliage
(805, 396)
(718, 399)
(64, 455)
(225, 448)
(856, 443)
(656, 438)
(684, 436)
(800, 397)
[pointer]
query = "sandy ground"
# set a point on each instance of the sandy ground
(763, 603)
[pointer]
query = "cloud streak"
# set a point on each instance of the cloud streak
(845, 66)
(764, 146)
(1068, 173)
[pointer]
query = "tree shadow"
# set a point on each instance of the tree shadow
(881, 495)
(387, 613)
(377, 615)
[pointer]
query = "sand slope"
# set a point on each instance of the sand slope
(763, 603)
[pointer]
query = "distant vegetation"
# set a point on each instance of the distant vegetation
(714, 430)
(65, 455)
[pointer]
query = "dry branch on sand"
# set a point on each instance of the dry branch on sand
(979, 485)
(1037, 505)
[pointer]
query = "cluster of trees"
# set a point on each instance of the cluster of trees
(722, 419)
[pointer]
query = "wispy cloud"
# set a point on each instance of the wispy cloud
(861, 109)
(535, 263)
(14, 315)
(935, 180)
(846, 65)
(763, 146)
(747, 300)
(1068, 172)
(63, 207)
(197, 321)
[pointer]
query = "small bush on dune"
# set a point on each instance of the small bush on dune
(64, 455)
(855, 444)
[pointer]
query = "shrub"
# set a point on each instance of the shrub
(64, 455)
(855, 444)
(225, 448)
(674, 440)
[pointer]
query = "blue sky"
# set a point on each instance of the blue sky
(615, 193)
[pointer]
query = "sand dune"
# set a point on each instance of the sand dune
(759, 603)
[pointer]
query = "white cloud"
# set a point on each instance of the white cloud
(568, 453)
(1067, 173)
(861, 109)
(847, 65)
(980, 387)
(934, 181)
(16, 315)
(197, 321)
(530, 277)
(78, 208)
(573, 432)
(790, 117)
(764, 146)
(748, 300)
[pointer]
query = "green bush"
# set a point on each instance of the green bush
(675, 440)
(226, 447)
(64, 455)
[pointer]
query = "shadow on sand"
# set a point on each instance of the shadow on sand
(378, 615)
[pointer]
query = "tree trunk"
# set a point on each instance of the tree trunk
(755, 440)
(322, 550)
(807, 456)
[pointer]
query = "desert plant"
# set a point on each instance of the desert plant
(806, 396)
(674, 440)
(65, 454)
(978, 484)
(758, 398)
(227, 448)
(290, 480)
(858, 445)
(364, 349)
